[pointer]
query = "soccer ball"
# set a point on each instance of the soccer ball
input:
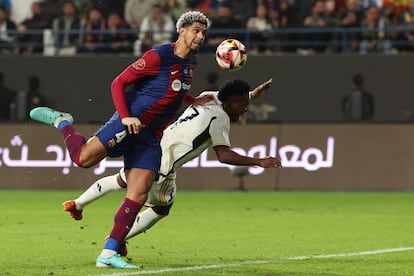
(231, 55)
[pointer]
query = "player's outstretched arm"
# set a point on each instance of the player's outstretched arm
(203, 98)
(259, 90)
(227, 156)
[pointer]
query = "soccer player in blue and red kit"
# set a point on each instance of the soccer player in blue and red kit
(161, 79)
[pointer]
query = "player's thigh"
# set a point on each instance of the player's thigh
(92, 152)
(162, 192)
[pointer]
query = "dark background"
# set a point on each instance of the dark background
(306, 88)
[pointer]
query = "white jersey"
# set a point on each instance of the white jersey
(194, 131)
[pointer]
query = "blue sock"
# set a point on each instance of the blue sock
(111, 244)
(62, 124)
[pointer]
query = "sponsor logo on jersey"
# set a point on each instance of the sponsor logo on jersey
(177, 85)
(186, 86)
(139, 64)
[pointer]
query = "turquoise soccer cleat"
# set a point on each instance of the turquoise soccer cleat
(49, 116)
(113, 262)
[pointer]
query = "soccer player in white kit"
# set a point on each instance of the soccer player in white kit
(198, 127)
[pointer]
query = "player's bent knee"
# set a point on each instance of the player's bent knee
(162, 210)
(120, 180)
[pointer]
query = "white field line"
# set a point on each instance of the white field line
(269, 261)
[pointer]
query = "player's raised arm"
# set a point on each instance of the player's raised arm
(228, 156)
(259, 90)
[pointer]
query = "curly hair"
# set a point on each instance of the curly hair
(233, 88)
(188, 18)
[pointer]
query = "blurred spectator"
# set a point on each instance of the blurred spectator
(303, 8)
(192, 4)
(272, 9)
(407, 25)
(175, 8)
(7, 27)
(30, 32)
(242, 10)
(318, 20)
(7, 98)
(95, 28)
(66, 28)
(350, 18)
(359, 104)
(83, 6)
(52, 9)
(261, 29)
(26, 100)
(21, 10)
(156, 28)
(212, 81)
(287, 19)
(34, 98)
(118, 38)
(340, 6)
(393, 9)
(136, 10)
(107, 7)
(374, 36)
(208, 7)
(366, 4)
(222, 27)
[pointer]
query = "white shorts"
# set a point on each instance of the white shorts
(163, 191)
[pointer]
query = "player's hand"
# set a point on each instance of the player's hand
(259, 90)
(202, 99)
(133, 124)
(270, 162)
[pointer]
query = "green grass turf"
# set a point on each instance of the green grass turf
(215, 228)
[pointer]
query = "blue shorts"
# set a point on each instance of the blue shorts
(140, 150)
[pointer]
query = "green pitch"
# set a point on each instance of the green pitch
(217, 233)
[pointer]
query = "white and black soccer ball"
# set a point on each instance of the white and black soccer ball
(231, 54)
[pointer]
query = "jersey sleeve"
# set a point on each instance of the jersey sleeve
(188, 99)
(147, 65)
(220, 131)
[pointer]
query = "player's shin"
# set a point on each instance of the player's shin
(98, 189)
(124, 219)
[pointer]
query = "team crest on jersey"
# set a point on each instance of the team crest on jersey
(127, 210)
(111, 143)
(139, 64)
(176, 85)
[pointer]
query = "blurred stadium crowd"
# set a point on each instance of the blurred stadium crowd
(61, 27)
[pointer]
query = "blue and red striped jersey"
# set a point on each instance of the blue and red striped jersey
(160, 81)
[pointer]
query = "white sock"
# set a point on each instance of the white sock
(144, 221)
(107, 253)
(98, 189)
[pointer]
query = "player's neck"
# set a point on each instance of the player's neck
(181, 50)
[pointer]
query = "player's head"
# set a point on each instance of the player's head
(191, 28)
(234, 95)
